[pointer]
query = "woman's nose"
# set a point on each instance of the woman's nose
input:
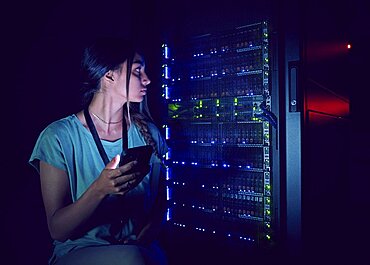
(145, 79)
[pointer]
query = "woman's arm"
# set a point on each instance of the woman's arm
(65, 218)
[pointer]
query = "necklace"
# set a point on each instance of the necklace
(106, 122)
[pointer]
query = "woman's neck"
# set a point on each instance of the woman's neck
(106, 113)
(106, 109)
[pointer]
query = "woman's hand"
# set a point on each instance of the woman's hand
(113, 180)
(66, 218)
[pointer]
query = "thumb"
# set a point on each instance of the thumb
(114, 162)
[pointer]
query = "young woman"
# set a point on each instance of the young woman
(98, 210)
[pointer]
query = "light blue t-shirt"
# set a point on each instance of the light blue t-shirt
(66, 144)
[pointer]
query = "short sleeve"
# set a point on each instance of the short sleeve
(48, 149)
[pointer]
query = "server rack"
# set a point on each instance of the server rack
(217, 89)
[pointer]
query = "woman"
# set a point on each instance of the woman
(98, 211)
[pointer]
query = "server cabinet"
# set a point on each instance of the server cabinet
(219, 127)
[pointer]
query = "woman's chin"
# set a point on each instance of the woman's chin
(137, 100)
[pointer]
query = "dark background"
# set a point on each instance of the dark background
(41, 49)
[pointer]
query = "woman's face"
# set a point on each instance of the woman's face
(138, 80)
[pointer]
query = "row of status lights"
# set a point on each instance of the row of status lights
(229, 235)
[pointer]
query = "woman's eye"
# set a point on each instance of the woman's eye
(138, 69)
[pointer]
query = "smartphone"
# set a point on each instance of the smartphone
(140, 153)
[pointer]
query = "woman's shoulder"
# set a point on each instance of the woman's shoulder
(154, 130)
(152, 126)
(62, 126)
(158, 137)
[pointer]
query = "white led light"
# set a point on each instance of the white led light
(166, 52)
(166, 72)
(167, 173)
(168, 215)
(168, 192)
(167, 92)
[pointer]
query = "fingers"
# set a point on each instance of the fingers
(117, 172)
(126, 186)
(114, 162)
(120, 179)
(126, 167)
(128, 182)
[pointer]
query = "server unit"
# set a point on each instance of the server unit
(217, 89)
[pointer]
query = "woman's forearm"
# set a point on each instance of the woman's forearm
(67, 221)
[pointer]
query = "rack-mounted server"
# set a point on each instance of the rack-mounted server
(217, 89)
